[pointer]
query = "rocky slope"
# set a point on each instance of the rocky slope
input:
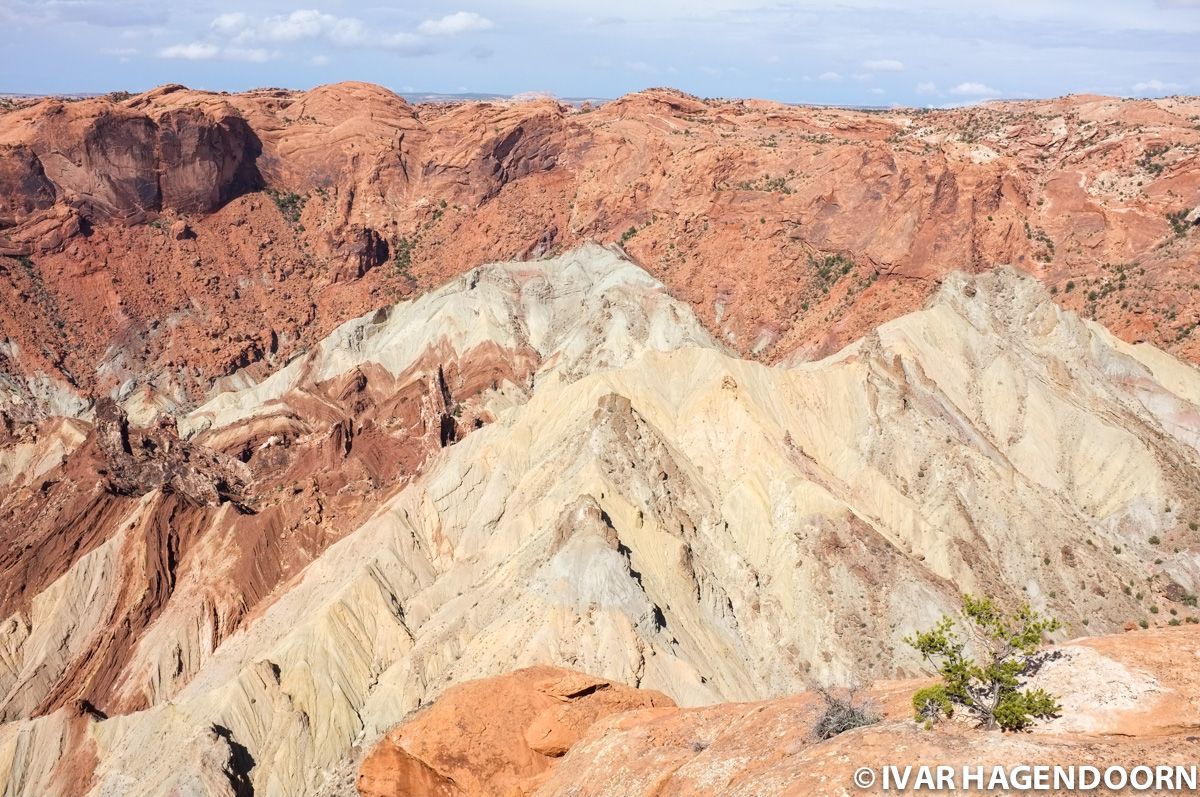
(1128, 701)
(159, 242)
(553, 462)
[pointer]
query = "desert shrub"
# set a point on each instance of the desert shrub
(844, 710)
(404, 248)
(989, 688)
(1015, 712)
(932, 704)
(1179, 222)
(290, 204)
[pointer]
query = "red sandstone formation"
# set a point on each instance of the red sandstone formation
(176, 236)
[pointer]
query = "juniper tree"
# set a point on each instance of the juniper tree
(988, 688)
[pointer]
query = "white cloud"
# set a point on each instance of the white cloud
(829, 76)
(205, 51)
(256, 55)
(319, 60)
(193, 51)
(927, 87)
(304, 24)
(243, 31)
(640, 66)
(974, 89)
(883, 65)
(877, 90)
(231, 24)
(122, 54)
(454, 24)
(711, 71)
(1156, 87)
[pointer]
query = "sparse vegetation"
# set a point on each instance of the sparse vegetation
(777, 184)
(844, 710)
(1046, 252)
(402, 259)
(1179, 222)
(990, 688)
(290, 204)
(1151, 159)
(830, 268)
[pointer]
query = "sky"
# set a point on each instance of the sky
(860, 52)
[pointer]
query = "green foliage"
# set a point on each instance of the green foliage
(931, 704)
(290, 204)
(1016, 708)
(774, 185)
(1179, 222)
(989, 688)
(830, 268)
(402, 260)
(1038, 235)
(1151, 159)
(628, 234)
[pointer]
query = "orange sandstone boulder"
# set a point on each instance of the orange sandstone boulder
(497, 737)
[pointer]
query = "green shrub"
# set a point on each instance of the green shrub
(932, 704)
(402, 259)
(290, 204)
(1179, 223)
(1015, 709)
(989, 688)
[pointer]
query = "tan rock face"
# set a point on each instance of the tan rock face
(791, 231)
(553, 462)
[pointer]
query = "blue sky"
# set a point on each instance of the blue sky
(876, 52)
